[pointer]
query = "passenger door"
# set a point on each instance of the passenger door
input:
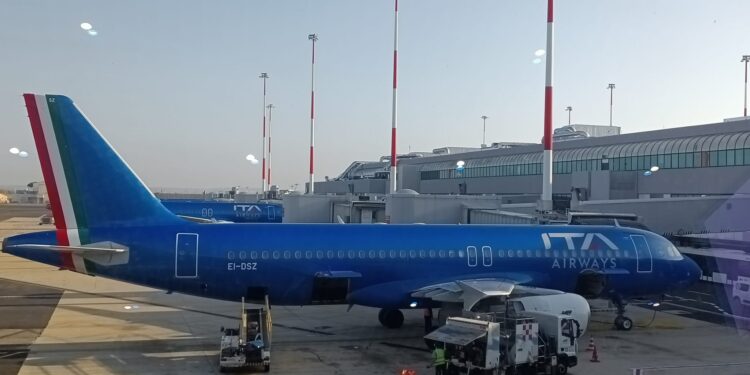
(644, 259)
(186, 255)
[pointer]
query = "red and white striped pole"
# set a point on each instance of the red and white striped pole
(270, 107)
(745, 59)
(546, 202)
(394, 114)
(314, 38)
(264, 76)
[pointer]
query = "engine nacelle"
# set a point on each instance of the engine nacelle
(563, 303)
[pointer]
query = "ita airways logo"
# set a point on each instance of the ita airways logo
(583, 242)
(570, 243)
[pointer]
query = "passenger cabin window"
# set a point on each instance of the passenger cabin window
(472, 256)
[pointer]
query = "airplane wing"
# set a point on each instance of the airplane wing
(471, 291)
(201, 220)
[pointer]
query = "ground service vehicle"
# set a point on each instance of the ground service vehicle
(529, 343)
(741, 292)
(250, 344)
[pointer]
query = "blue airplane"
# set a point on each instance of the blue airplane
(109, 224)
(225, 211)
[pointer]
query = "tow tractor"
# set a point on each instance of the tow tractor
(250, 344)
(531, 342)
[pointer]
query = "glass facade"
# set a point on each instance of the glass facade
(718, 150)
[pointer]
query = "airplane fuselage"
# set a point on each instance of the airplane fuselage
(382, 263)
(235, 212)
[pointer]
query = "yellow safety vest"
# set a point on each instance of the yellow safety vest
(438, 357)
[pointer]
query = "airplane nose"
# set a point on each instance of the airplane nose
(693, 272)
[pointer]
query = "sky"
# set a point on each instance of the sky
(173, 84)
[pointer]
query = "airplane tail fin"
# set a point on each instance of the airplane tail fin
(87, 182)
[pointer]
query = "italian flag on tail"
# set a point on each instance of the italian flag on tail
(59, 177)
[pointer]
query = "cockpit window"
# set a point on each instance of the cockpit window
(666, 250)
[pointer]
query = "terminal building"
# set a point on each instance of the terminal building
(673, 178)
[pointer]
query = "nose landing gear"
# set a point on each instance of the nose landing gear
(622, 322)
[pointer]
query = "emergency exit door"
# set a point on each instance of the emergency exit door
(644, 259)
(186, 255)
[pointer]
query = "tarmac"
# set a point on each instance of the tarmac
(61, 322)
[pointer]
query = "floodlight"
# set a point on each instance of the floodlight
(655, 168)
(86, 26)
(23, 154)
(14, 150)
(540, 53)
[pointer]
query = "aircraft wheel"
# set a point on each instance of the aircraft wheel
(391, 318)
(627, 324)
(561, 369)
(623, 323)
(618, 322)
(381, 316)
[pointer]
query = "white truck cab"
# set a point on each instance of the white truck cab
(741, 292)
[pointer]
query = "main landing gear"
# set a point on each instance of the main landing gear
(391, 318)
(622, 322)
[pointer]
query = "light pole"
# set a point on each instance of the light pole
(546, 201)
(745, 59)
(313, 38)
(264, 76)
(484, 129)
(611, 88)
(394, 108)
(569, 109)
(270, 107)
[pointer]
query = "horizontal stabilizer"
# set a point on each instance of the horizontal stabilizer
(72, 249)
(105, 253)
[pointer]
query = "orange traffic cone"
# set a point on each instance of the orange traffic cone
(591, 345)
(594, 355)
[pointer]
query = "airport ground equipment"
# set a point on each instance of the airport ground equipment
(741, 292)
(250, 344)
(501, 344)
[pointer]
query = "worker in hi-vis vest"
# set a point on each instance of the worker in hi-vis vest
(439, 361)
